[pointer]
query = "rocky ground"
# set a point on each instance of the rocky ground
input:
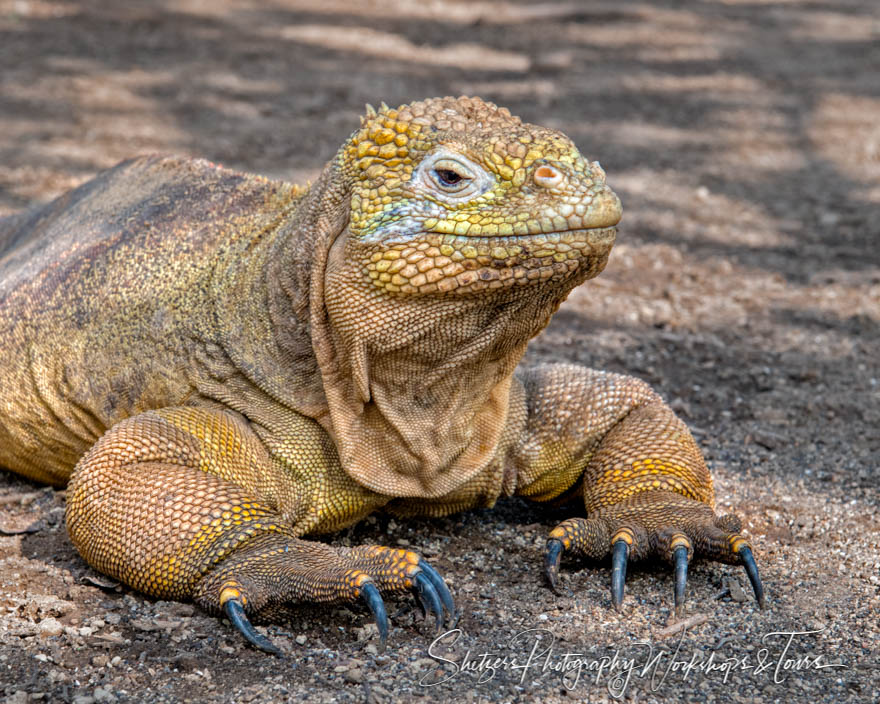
(743, 137)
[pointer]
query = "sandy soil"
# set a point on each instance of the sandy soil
(744, 139)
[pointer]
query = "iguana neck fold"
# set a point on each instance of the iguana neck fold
(417, 387)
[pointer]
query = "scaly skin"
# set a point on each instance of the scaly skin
(219, 365)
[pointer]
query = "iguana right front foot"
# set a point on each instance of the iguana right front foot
(273, 572)
(185, 503)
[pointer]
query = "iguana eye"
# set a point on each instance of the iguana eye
(447, 177)
(451, 175)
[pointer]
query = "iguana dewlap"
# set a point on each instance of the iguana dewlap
(218, 364)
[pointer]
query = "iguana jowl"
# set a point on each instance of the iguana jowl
(220, 364)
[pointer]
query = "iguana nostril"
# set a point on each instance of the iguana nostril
(547, 176)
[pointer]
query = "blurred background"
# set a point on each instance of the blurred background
(743, 137)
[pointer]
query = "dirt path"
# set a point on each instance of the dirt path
(744, 139)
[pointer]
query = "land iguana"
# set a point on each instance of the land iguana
(217, 364)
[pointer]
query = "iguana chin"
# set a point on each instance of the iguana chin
(218, 364)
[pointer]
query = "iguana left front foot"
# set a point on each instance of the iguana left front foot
(657, 524)
(646, 488)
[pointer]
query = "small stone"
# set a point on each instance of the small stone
(768, 439)
(100, 660)
(178, 609)
(355, 675)
(736, 590)
(144, 624)
(186, 662)
(50, 627)
(83, 699)
(381, 692)
(103, 696)
(115, 661)
(300, 640)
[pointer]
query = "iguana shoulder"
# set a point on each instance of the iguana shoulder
(102, 293)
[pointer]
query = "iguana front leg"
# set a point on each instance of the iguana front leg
(187, 503)
(645, 485)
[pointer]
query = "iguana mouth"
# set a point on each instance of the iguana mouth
(439, 263)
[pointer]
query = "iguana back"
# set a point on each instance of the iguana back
(101, 293)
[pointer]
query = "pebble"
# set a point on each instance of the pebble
(50, 627)
(355, 675)
(103, 695)
(736, 590)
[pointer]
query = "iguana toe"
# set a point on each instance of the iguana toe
(235, 612)
(745, 554)
(619, 557)
(680, 560)
(440, 587)
(429, 599)
(373, 599)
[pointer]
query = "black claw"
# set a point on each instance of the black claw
(429, 599)
(440, 587)
(551, 562)
(745, 555)
(619, 556)
(374, 600)
(235, 612)
(680, 557)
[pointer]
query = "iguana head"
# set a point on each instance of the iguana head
(452, 232)
(456, 195)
